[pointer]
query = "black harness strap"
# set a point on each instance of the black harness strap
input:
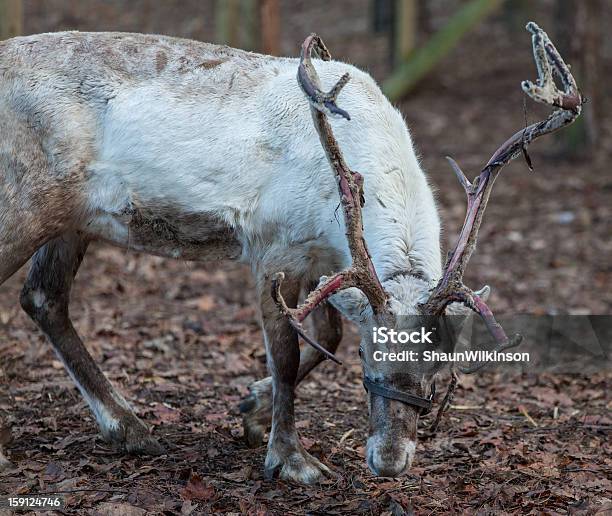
(381, 389)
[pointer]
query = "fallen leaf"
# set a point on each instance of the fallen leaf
(198, 489)
(117, 509)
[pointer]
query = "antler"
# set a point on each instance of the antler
(361, 274)
(450, 287)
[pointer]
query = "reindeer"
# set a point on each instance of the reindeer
(198, 152)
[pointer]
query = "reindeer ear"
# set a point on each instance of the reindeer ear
(461, 320)
(353, 304)
(461, 309)
(483, 293)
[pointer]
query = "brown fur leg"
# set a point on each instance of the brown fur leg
(285, 453)
(45, 298)
(256, 408)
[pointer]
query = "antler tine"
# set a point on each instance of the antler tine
(296, 316)
(450, 288)
(350, 183)
(310, 83)
(361, 274)
(548, 59)
(467, 186)
(473, 301)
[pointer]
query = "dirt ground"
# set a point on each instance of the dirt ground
(182, 342)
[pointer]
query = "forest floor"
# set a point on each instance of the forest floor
(182, 342)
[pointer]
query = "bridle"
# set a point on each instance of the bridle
(380, 388)
(423, 405)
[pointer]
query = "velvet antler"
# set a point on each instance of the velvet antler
(361, 274)
(450, 288)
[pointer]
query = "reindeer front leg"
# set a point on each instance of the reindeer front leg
(256, 408)
(285, 455)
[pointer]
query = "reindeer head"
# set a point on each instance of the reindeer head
(400, 392)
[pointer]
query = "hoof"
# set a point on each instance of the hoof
(253, 433)
(145, 445)
(297, 466)
(256, 411)
(132, 436)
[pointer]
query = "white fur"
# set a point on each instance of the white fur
(107, 423)
(402, 460)
(254, 160)
(39, 299)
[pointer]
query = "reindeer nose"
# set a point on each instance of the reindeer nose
(389, 458)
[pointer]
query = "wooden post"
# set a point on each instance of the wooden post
(11, 19)
(249, 26)
(270, 26)
(227, 13)
(405, 29)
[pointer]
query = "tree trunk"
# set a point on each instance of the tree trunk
(405, 29)
(11, 19)
(270, 26)
(227, 14)
(579, 33)
(250, 25)
(590, 37)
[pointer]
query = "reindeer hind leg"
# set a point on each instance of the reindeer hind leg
(45, 298)
(23, 229)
